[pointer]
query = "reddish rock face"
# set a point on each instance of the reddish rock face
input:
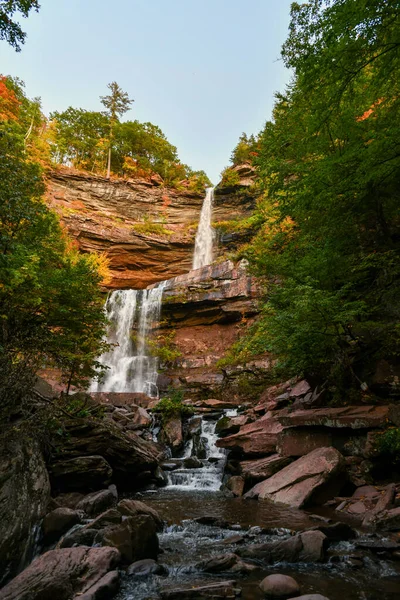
(298, 442)
(312, 478)
(254, 439)
(258, 470)
(355, 417)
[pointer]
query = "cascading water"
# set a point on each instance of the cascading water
(131, 367)
(207, 478)
(203, 248)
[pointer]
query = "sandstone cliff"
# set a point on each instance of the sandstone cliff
(147, 231)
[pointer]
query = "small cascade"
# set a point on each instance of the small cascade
(132, 315)
(203, 248)
(207, 478)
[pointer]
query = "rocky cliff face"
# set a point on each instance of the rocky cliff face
(146, 231)
(203, 313)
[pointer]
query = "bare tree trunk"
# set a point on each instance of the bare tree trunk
(109, 163)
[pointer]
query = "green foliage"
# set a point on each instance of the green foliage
(10, 30)
(245, 150)
(149, 227)
(51, 308)
(388, 443)
(198, 182)
(229, 178)
(329, 171)
(172, 406)
(164, 348)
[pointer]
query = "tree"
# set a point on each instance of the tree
(51, 307)
(329, 169)
(10, 30)
(116, 104)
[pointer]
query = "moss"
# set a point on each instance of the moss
(388, 443)
(149, 228)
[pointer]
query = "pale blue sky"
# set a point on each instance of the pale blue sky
(202, 70)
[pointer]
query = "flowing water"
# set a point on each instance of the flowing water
(132, 315)
(234, 523)
(203, 248)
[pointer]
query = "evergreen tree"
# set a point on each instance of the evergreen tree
(116, 104)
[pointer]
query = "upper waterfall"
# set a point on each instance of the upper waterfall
(203, 248)
(132, 314)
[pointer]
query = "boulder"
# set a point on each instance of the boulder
(172, 433)
(57, 522)
(254, 439)
(214, 591)
(287, 550)
(314, 544)
(112, 516)
(200, 446)
(65, 574)
(262, 468)
(218, 564)
(125, 452)
(142, 418)
(279, 586)
(97, 502)
(192, 463)
(24, 497)
(300, 441)
(70, 499)
(135, 538)
(313, 478)
(131, 508)
(106, 587)
(389, 520)
(230, 425)
(83, 472)
(145, 567)
(79, 537)
(235, 485)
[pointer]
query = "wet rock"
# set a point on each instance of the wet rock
(83, 472)
(160, 477)
(130, 508)
(97, 502)
(279, 586)
(314, 544)
(65, 574)
(192, 463)
(300, 389)
(80, 537)
(378, 545)
(230, 425)
(170, 466)
(313, 478)
(142, 417)
(222, 589)
(135, 538)
(235, 485)
(262, 468)
(211, 521)
(24, 497)
(57, 522)
(271, 552)
(145, 568)
(218, 564)
(200, 445)
(172, 433)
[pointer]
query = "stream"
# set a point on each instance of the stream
(229, 524)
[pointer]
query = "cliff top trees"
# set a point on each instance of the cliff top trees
(10, 30)
(329, 167)
(116, 104)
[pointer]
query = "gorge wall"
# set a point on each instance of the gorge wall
(145, 230)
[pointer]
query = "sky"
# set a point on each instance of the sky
(204, 71)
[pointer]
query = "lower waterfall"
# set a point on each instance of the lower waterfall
(131, 368)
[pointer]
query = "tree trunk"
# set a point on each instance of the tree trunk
(109, 163)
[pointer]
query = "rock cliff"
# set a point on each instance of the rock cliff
(146, 231)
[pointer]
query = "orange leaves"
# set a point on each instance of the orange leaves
(370, 111)
(9, 103)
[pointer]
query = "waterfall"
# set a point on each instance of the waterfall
(209, 477)
(131, 367)
(203, 248)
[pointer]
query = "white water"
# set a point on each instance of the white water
(131, 367)
(207, 478)
(203, 248)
